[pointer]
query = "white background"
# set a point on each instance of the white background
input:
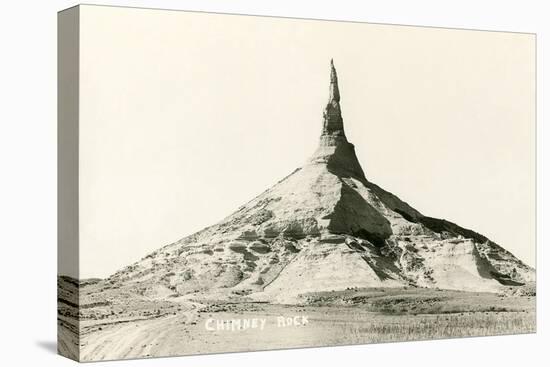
(28, 181)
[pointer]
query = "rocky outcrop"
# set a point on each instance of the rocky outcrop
(333, 124)
(325, 227)
(334, 151)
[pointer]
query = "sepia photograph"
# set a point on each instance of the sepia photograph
(233, 183)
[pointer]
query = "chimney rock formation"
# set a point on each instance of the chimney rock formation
(325, 227)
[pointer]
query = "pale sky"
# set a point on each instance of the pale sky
(186, 116)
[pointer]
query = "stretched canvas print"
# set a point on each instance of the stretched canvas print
(235, 183)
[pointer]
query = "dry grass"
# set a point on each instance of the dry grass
(401, 314)
(422, 327)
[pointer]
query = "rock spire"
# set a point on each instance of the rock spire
(333, 124)
(334, 149)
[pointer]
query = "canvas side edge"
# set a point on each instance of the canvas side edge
(68, 48)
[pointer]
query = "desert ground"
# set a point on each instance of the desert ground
(185, 326)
